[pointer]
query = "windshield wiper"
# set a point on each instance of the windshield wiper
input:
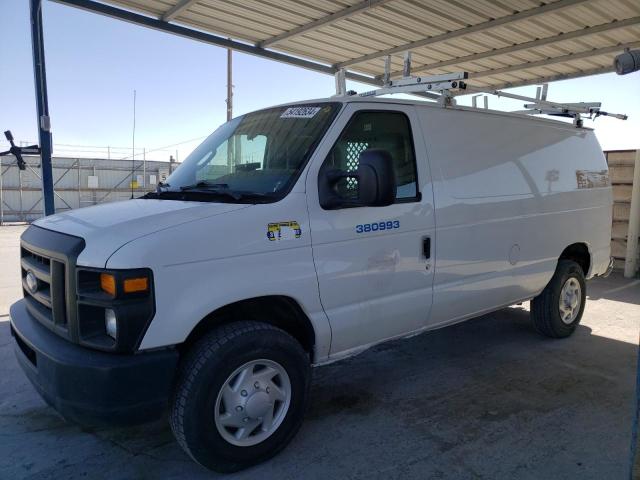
(216, 188)
(204, 184)
(223, 189)
(204, 188)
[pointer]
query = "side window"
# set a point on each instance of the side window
(390, 131)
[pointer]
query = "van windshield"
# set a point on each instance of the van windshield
(253, 158)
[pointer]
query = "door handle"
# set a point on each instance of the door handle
(426, 247)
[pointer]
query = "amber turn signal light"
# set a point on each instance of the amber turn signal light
(108, 283)
(132, 285)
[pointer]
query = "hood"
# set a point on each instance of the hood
(107, 227)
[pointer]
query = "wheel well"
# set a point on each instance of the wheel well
(278, 310)
(579, 253)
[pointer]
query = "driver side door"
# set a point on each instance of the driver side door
(374, 264)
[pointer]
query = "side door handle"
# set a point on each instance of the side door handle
(426, 247)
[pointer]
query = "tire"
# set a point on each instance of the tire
(546, 308)
(232, 355)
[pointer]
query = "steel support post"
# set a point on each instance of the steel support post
(229, 84)
(42, 105)
(23, 218)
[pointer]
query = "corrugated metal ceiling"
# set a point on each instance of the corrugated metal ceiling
(501, 43)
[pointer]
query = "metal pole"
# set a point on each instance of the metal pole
(133, 143)
(229, 105)
(144, 167)
(20, 187)
(229, 84)
(42, 105)
(631, 259)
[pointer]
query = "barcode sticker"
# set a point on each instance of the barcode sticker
(300, 112)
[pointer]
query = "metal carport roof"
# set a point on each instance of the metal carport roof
(501, 43)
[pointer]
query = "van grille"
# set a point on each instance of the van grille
(48, 259)
(48, 302)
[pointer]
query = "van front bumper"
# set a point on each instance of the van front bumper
(88, 386)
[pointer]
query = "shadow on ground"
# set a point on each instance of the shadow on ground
(616, 288)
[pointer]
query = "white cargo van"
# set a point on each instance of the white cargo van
(296, 236)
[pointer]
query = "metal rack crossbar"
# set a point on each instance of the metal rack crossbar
(434, 87)
(541, 106)
(435, 83)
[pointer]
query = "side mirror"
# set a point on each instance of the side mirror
(376, 182)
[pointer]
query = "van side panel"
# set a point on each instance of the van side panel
(213, 262)
(511, 194)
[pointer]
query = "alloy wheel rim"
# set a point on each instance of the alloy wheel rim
(570, 300)
(252, 402)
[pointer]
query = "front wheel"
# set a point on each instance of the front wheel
(240, 396)
(557, 311)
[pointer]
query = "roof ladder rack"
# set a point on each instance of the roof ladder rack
(433, 84)
(435, 87)
(485, 99)
(541, 106)
(439, 88)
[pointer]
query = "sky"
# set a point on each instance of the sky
(94, 64)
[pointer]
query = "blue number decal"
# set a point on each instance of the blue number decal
(377, 226)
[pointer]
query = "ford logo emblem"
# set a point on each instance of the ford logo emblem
(32, 282)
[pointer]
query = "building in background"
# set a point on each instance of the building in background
(78, 182)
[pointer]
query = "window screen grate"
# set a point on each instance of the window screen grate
(354, 149)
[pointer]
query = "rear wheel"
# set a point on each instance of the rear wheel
(557, 311)
(241, 395)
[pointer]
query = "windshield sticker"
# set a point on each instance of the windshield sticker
(283, 231)
(300, 112)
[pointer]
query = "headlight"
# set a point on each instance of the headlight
(115, 307)
(111, 323)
